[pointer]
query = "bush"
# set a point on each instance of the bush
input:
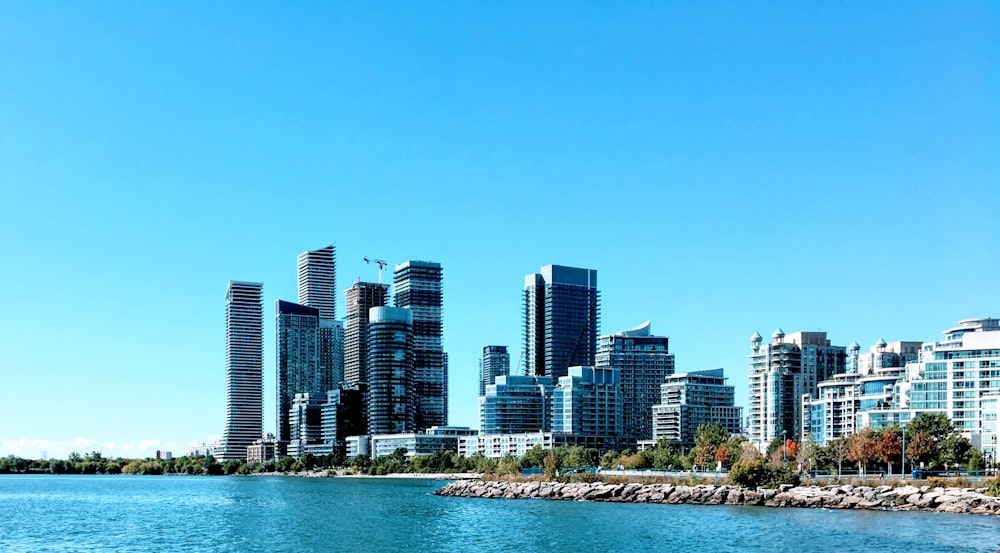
(757, 473)
(993, 487)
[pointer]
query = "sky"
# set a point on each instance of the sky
(725, 167)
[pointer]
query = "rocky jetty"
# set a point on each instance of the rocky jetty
(881, 498)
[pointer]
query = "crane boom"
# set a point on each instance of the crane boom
(381, 265)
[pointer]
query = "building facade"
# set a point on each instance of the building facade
(958, 377)
(391, 401)
(305, 423)
(693, 399)
(418, 287)
(297, 360)
(561, 320)
(361, 297)
(317, 270)
(780, 373)
(494, 362)
(244, 369)
(516, 404)
(644, 362)
(343, 415)
(437, 439)
(587, 403)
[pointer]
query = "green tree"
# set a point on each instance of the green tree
(954, 450)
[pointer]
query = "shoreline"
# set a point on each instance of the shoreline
(344, 473)
(880, 498)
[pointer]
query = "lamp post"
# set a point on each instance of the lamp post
(784, 442)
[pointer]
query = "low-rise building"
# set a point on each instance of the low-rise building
(689, 400)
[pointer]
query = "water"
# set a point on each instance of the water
(221, 514)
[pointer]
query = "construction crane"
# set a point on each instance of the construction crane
(381, 265)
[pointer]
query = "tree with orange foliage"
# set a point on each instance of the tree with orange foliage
(888, 446)
(861, 448)
(791, 449)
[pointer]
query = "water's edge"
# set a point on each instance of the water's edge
(881, 498)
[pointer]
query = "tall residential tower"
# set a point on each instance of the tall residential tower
(418, 288)
(318, 280)
(494, 362)
(561, 320)
(244, 369)
(360, 299)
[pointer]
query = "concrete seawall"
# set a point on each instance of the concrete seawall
(881, 498)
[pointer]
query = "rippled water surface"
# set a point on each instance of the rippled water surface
(176, 513)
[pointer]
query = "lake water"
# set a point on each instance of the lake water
(216, 514)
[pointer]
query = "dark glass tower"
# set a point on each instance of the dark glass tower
(391, 398)
(417, 287)
(561, 320)
(297, 360)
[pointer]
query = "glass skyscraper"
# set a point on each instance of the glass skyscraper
(561, 320)
(417, 287)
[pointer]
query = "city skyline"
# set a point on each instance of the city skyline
(726, 170)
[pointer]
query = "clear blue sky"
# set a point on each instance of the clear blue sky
(725, 167)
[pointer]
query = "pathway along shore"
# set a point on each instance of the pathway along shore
(881, 498)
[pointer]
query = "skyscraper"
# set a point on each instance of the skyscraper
(297, 360)
(561, 320)
(418, 288)
(494, 362)
(318, 280)
(587, 403)
(644, 362)
(391, 398)
(360, 299)
(244, 369)
(780, 374)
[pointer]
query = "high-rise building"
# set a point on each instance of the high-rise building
(587, 403)
(318, 280)
(417, 286)
(297, 359)
(832, 412)
(342, 415)
(516, 404)
(244, 369)
(331, 352)
(692, 399)
(561, 319)
(780, 374)
(959, 377)
(391, 401)
(360, 299)
(304, 418)
(494, 362)
(644, 362)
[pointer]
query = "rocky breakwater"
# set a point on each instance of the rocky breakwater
(881, 498)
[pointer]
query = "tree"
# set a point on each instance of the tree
(954, 450)
(861, 448)
(919, 447)
(838, 450)
(937, 425)
(888, 447)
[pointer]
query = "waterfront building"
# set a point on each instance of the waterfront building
(561, 320)
(391, 403)
(244, 369)
(261, 450)
(361, 297)
(342, 415)
(516, 404)
(780, 373)
(317, 270)
(832, 412)
(958, 377)
(433, 440)
(494, 362)
(644, 362)
(693, 399)
(587, 403)
(495, 446)
(305, 424)
(297, 356)
(418, 287)
(357, 445)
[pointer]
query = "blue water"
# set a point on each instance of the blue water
(215, 514)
